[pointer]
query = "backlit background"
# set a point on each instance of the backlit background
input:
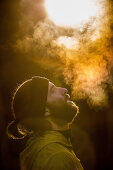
(71, 43)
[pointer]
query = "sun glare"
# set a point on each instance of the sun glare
(71, 12)
(68, 42)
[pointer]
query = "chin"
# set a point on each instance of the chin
(67, 111)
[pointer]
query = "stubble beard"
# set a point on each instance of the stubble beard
(65, 112)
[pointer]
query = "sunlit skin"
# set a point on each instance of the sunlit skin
(58, 95)
(71, 12)
(57, 98)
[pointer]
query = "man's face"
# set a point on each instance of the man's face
(59, 103)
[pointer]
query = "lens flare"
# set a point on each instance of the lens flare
(71, 12)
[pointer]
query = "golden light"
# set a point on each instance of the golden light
(68, 42)
(71, 12)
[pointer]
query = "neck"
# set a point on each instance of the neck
(58, 124)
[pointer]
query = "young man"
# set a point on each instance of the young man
(46, 112)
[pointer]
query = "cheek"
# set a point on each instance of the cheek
(55, 99)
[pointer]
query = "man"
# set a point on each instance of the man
(46, 112)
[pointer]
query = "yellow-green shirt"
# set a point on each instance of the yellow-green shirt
(51, 151)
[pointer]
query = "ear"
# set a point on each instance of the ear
(47, 112)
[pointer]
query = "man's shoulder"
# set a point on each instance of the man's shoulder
(52, 148)
(51, 156)
(58, 160)
(53, 151)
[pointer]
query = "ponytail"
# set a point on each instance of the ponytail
(26, 127)
(13, 131)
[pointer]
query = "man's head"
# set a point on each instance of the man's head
(29, 99)
(38, 99)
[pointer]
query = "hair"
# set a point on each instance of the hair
(25, 122)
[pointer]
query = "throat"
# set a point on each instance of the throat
(58, 124)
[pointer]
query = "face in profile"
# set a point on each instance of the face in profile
(59, 103)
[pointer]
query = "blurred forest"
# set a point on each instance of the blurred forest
(92, 133)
